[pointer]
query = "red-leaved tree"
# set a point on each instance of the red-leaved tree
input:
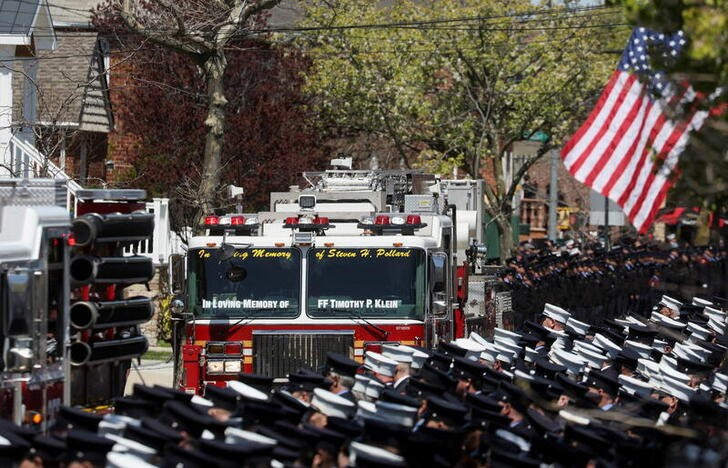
(160, 97)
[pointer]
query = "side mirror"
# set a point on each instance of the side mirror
(438, 272)
(177, 273)
(177, 307)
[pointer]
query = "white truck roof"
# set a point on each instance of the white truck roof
(21, 229)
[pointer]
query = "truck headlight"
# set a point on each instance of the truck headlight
(215, 367)
(233, 367)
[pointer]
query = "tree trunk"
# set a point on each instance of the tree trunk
(214, 68)
(505, 232)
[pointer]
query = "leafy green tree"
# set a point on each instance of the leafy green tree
(459, 82)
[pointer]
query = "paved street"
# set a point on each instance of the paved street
(150, 373)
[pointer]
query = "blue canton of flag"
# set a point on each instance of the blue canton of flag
(636, 57)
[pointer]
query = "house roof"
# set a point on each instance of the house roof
(23, 19)
(75, 13)
(72, 86)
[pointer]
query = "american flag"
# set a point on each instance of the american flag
(630, 143)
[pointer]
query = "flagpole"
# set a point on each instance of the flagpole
(606, 224)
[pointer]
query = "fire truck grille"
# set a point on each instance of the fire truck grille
(278, 353)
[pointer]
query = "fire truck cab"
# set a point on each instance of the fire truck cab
(34, 251)
(357, 259)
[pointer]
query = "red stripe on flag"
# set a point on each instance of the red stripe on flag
(607, 123)
(590, 120)
(629, 155)
(607, 161)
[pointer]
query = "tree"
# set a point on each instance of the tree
(162, 100)
(704, 66)
(457, 83)
(200, 29)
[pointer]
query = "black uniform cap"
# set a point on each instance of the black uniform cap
(284, 440)
(548, 369)
(483, 402)
(466, 369)
(349, 427)
(326, 439)
(238, 453)
(514, 395)
(692, 367)
(153, 394)
(340, 364)
(380, 432)
(627, 358)
(176, 394)
(14, 450)
(84, 445)
(603, 381)
(290, 402)
(306, 380)
(483, 418)
(26, 433)
(75, 418)
(502, 458)
(189, 419)
(452, 349)
(439, 360)
(392, 396)
(174, 455)
(257, 381)
(154, 439)
(641, 332)
(134, 407)
(222, 397)
(450, 412)
(422, 389)
(49, 448)
(162, 429)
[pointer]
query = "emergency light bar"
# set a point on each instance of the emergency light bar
(405, 223)
(217, 224)
(307, 223)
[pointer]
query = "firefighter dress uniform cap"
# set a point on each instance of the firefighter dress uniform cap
(175, 455)
(126, 460)
(449, 412)
(419, 357)
(577, 327)
(12, 447)
(247, 392)
(349, 427)
(115, 424)
(133, 447)
(633, 386)
(671, 303)
(380, 364)
(237, 454)
(574, 363)
(306, 380)
(556, 313)
(451, 349)
(364, 455)
(26, 433)
(86, 446)
(222, 397)
(699, 301)
(188, 419)
(75, 418)
(257, 381)
(465, 369)
(340, 364)
(155, 439)
(233, 435)
(49, 448)
(396, 353)
(374, 388)
(392, 396)
(331, 404)
(133, 407)
(152, 394)
(398, 414)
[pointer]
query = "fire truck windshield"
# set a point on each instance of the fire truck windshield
(368, 282)
(254, 282)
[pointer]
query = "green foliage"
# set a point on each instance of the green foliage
(459, 82)
(164, 318)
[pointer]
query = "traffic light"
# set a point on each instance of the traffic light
(104, 323)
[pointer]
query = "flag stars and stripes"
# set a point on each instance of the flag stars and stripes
(628, 146)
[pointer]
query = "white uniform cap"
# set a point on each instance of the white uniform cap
(720, 382)
(504, 354)
(489, 355)
(233, 435)
(644, 350)
(579, 344)
(397, 414)
(360, 384)
(635, 386)
(386, 457)
(697, 301)
(689, 352)
(125, 460)
(380, 364)
(676, 388)
(200, 401)
(397, 353)
(576, 326)
(247, 391)
(530, 354)
(609, 346)
(670, 303)
(366, 410)
(594, 360)
(471, 346)
(647, 367)
(331, 404)
(556, 313)
(507, 343)
(665, 320)
(374, 388)
(716, 325)
(132, 447)
(506, 335)
(574, 363)
(477, 338)
(698, 331)
(667, 369)
(116, 423)
(418, 357)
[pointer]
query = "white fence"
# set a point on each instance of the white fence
(21, 159)
(164, 242)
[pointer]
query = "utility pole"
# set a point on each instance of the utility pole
(553, 194)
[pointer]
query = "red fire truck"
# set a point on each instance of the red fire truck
(357, 259)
